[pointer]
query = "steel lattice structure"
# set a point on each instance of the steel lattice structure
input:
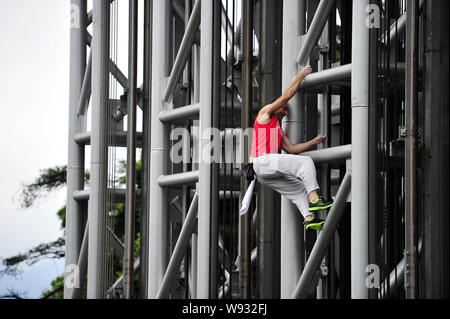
(378, 89)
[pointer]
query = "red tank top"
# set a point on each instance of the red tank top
(267, 137)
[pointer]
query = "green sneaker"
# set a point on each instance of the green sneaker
(320, 204)
(314, 224)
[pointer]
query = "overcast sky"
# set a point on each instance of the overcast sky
(34, 87)
(34, 64)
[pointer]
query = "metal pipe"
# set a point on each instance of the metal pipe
(117, 73)
(159, 218)
(315, 30)
(178, 10)
(119, 194)
(146, 146)
(120, 138)
(292, 248)
(360, 150)
(119, 281)
(226, 25)
(99, 150)
(246, 115)
(82, 266)
(180, 113)
(331, 154)
(130, 200)
(85, 88)
(204, 200)
(180, 249)
(75, 165)
(328, 76)
(321, 245)
(254, 256)
(396, 277)
(118, 246)
(183, 51)
(178, 179)
(411, 124)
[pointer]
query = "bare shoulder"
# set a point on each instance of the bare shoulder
(263, 117)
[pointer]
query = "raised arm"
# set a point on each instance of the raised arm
(288, 93)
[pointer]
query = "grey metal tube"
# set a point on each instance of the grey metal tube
(117, 73)
(321, 245)
(120, 138)
(411, 124)
(180, 113)
(246, 114)
(99, 155)
(315, 30)
(292, 248)
(360, 150)
(159, 220)
(145, 175)
(330, 154)
(396, 277)
(118, 246)
(119, 281)
(327, 76)
(226, 25)
(178, 179)
(178, 10)
(86, 88)
(119, 194)
(130, 200)
(204, 200)
(82, 266)
(146, 146)
(75, 165)
(183, 51)
(180, 249)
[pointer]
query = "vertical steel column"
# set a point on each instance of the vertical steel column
(292, 241)
(411, 124)
(204, 196)
(130, 197)
(194, 239)
(77, 123)
(436, 150)
(159, 219)
(246, 111)
(99, 149)
(147, 118)
(324, 104)
(360, 150)
(266, 219)
(215, 113)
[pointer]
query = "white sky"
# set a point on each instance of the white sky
(34, 88)
(34, 64)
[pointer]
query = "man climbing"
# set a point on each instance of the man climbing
(291, 175)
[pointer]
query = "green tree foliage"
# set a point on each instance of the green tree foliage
(50, 180)
(57, 289)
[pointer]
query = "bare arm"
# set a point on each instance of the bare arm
(288, 93)
(290, 148)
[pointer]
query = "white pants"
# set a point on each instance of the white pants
(293, 176)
